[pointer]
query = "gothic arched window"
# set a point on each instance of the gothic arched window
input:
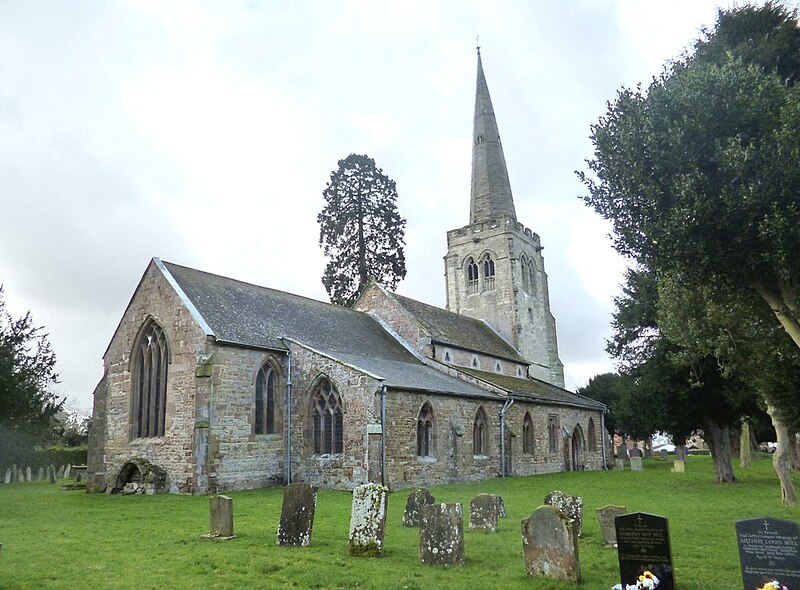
(552, 433)
(488, 273)
(266, 392)
(591, 443)
(526, 276)
(425, 431)
(527, 434)
(150, 361)
(531, 276)
(479, 434)
(472, 276)
(327, 420)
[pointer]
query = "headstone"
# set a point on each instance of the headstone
(678, 466)
(221, 517)
(40, 475)
(28, 474)
(501, 505)
(68, 470)
(60, 473)
(367, 521)
(635, 452)
(664, 454)
(297, 515)
(20, 474)
(769, 549)
(745, 456)
(643, 548)
(441, 534)
(550, 545)
(51, 473)
(619, 464)
(416, 500)
(483, 513)
(9, 476)
(606, 516)
(569, 506)
(636, 464)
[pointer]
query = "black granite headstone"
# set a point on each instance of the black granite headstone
(769, 549)
(643, 545)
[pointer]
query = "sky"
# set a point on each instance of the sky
(203, 133)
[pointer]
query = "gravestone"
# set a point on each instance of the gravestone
(51, 473)
(367, 521)
(636, 464)
(619, 464)
(68, 470)
(40, 475)
(678, 466)
(664, 454)
(570, 506)
(483, 513)
(745, 456)
(60, 473)
(769, 549)
(20, 474)
(606, 516)
(441, 534)
(28, 474)
(643, 546)
(550, 545)
(416, 500)
(221, 518)
(9, 476)
(297, 515)
(501, 505)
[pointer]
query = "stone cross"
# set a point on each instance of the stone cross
(297, 515)
(416, 500)
(550, 545)
(367, 521)
(606, 516)
(483, 513)
(569, 506)
(221, 518)
(441, 534)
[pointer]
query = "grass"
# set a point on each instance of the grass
(59, 539)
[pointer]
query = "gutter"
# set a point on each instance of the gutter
(288, 411)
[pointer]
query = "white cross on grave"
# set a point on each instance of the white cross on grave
(766, 525)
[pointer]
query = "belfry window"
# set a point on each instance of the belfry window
(472, 276)
(266, 384)
(527, 434)
(488, 273)
(526, 276)
(479, 434)
(150, 361)
(327, 420)
(425, 431)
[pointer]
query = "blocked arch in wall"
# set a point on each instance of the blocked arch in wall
(139, 476)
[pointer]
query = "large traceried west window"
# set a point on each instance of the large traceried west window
(472, 276)
(266, 392)
(327, 420)
(150, 362)
(479, 433)
(527, 434)
(425, 431)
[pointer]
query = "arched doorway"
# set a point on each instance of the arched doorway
(577, 449)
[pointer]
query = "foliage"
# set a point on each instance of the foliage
(605, 388)
(39, 521)
(361, 231)
(27, 369)
(71, 428)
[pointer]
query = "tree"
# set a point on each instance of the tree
(361, 231)
(699, 175)
(27, 369)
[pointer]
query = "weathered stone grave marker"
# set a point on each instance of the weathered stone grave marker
(40, 475)
(20, 474)
(664, 454)
(441, 534)
(643, 546)
(367, 521)
(678, 466)
(483, 513)
(68, 470)
(636, 464)
(569, 506)
(501, 505)
(297, 515)
(416, 500)
(550, 545)
(606, 515)
(9, 476)
(28, 474)
(769, 549)
(60, 473)
(221, 518)
(619, 464)
(51, 473)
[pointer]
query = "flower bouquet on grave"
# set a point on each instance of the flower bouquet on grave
(647, 581)
(773, 585)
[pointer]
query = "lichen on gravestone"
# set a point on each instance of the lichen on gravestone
(441, 535)
(368, 521)
(297, 515)
(569, 506)
(416, 500)
(550, 545)
(483, 513)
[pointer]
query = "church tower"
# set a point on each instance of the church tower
(494, 267)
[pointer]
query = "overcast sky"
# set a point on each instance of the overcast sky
(203, 133)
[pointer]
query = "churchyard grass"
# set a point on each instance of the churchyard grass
(69, 539)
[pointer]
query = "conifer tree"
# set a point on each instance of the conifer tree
(361, 232)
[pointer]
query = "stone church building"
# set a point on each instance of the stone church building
(213, 384)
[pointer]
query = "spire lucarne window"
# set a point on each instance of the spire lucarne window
(150, 362)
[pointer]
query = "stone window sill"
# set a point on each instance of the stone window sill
(480, 458)
(426, 459)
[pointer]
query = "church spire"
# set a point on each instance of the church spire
(491, 191)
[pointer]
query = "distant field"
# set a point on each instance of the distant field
(60, 539)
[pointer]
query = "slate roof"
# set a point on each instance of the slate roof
(248, 315)
(460, 331)
(535, 390)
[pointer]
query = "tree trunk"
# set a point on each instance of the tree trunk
(782, 458)
(681, 452)
(718, 439)
(744, 445)
(794, 445)
(782, 310)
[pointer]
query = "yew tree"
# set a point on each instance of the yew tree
(361, 231)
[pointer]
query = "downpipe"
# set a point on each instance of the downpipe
(507, 404)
